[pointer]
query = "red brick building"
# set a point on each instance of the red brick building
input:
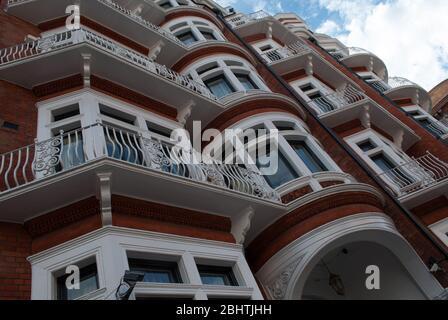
(88, 179)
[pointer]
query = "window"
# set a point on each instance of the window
(219, 86)
(366, 145)
(9, 125)
(160, 130)
(266, 48)
(217, 276)
(427, 121)
(285, 172)
(308, 157)
(65, 112)
(209, 35)
(187, 37)
(88, 283)
(224, 74)
(246, 81)
(190, 30)
(317, 93)
(166, 5)
(156, 271)
(117, 115)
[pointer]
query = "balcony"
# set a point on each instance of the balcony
(118, 18)
(70, 150)
(240, 19)
(415, 180)
(357, 57)
(292, 50)
(61, 55)
(338, 100)
(39, 11)
(51, 174)
(401, 88)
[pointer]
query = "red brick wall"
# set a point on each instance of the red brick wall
(15, 270)
(17, 104)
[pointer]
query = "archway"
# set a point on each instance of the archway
(341, 275)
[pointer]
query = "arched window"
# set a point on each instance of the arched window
(168, 4)
(299, 153)
(226, 74)
(191, 30)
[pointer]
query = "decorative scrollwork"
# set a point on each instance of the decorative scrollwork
(214, 176)
(156, 156)
(48, 156)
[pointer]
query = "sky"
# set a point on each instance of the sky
(410, 36)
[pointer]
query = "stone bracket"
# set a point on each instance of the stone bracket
(105, 197)
(241, 224)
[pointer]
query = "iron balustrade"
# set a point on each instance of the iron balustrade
(242, 19)
(337, 100)
(298, 48)
(418, 174)
(73, 149)
(70, 38)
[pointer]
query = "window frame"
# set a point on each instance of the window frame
(229, 66)
(196, 26)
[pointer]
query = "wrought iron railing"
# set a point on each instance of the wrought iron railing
(73, 149)
(416, 175)
(295, 49)
(141, 21)
(337, 100)
(379, 85)
(69, 38)
(241, 19)
(347, 52)
(397, 82)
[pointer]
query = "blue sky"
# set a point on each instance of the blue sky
(410, 36)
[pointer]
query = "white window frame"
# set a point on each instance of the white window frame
(111, 245)
(175, 3)
(194, 28)
(319, 87)
(89, 102)
(441, 230)
(226, 70)
(260, 44)
(425, 116)
(301, 132)
(385, 146)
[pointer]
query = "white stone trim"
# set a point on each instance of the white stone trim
(110, 246)
(285, 274)
(228, 71)
(195, 28)
(441, 230)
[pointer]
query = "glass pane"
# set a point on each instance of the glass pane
(383, 163)
(88, 282)
(246, 81)
(156, 271)
(308, 157)
(217, 280)
(187, 38)
(219, 86)
(284, 174)
(208, 35)
(366, 146)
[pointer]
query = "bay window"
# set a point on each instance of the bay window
(191, 30)
(427, 121)
(316, 93)
(385, 159)
(224, 75)
(296, 152)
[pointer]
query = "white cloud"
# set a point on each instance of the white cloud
(410, 36)
(329, 27)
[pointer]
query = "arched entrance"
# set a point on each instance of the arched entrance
(342, 250)
(341, 274)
